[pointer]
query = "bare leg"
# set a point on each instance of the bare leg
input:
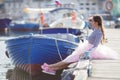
(58, 65)
(63, 64)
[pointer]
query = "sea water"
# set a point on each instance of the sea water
(5, 62)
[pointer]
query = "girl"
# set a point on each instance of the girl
(94, 45)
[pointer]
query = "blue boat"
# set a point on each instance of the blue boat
(61, 31)
(61, 22)
(29, 52)
(23, 26)
(4, 23)
(62, 8)
(51, 45)
(64, 25)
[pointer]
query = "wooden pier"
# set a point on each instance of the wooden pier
(105, 69)
(108, 69)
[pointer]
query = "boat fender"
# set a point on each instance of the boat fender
(6, 52)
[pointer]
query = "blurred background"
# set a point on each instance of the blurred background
(109, 9)
(15, 14)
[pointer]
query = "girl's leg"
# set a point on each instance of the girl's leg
(74, 57)
(55, 66)
(58, 65)
(52, 68)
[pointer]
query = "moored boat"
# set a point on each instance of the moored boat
(31, 51)
(23, 26)
(61, 31)
(51, 45)
(61, 20)
(4, 23)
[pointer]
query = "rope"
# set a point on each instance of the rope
(58, 49)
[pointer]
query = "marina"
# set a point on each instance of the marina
(101, 69)
(35, 34)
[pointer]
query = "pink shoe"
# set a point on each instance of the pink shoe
(47, 70)
(44, 66)
(51, 72)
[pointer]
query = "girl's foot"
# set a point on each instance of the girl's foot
(47, 70)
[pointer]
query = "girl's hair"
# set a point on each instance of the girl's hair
(99, 19)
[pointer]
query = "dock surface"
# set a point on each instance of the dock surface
(105, 70)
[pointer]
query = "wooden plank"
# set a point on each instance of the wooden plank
(81, 73)
(105, 61)
(98, 78)
(82, 64)
(103, 75)
(105, 70)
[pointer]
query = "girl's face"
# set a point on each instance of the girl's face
(95, 24)
(91, 22)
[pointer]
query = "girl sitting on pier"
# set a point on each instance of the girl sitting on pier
(94, 45)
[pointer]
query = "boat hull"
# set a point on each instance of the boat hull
(30, 52)
(4, 23)
(74, 31)
(24, 27)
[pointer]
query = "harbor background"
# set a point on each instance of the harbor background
(5, 63)
(18, 10)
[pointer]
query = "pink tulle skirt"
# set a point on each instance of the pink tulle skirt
(101, 52)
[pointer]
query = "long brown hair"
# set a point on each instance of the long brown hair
(99, 19)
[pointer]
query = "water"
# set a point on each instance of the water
(5, 63)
